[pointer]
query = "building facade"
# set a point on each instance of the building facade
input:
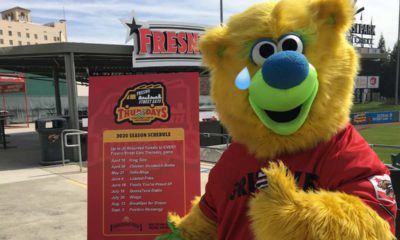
(17, 28)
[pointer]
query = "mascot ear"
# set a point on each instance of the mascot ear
(336, 13)
(213, 45)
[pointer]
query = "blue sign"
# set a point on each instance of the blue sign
(374, 117)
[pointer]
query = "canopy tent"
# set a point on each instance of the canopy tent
(13, 83)
(75, 62)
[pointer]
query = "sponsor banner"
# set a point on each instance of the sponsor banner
(373, 82)
(367, 82)
(361, 82)
(144, 154)
(374, 117)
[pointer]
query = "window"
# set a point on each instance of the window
(19, 34)
(55, 39)
(11, 42)
(22, 17)
(35, 36)
(29, 43)
(28, 35)
(9, 33)
(1, 41)
(1, 32)
(19, 43)
(45, 37)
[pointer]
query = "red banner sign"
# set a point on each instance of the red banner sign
(15, 88)
(144, 158)
(12, 83)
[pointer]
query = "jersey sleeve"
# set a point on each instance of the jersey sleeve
(207, 207)
(208, 204)
(378, 196)
(212, 200)
(358, 171)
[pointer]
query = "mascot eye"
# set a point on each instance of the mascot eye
(262, 50)
(291, 42)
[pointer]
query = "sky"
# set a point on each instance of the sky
(95, 21)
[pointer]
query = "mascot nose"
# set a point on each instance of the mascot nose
(285, 70)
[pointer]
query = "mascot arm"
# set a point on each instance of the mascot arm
(194, 226)
(282, 211)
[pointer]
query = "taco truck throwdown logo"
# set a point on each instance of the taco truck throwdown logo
(143, 104)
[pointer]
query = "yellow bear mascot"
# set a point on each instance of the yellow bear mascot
(282, 82)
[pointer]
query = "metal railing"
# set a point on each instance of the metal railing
(226, 137)
(383, 146)
(395, 157)
(64, 140)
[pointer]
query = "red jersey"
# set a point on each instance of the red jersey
(346, 163)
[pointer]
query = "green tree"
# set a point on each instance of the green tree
(393, 54)
(388, 74)
(382, 43)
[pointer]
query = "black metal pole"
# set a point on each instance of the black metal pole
(396, 89)
(57, 90)
(2, 132)
(221, 12)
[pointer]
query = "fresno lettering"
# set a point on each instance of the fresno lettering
(167, 42)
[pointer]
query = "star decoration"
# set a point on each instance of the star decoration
(133, 26)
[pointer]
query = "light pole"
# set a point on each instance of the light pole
(396, 89)
(221, 14)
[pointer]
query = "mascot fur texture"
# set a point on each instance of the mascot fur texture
(296, 169)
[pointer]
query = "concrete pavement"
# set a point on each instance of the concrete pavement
(46, 202)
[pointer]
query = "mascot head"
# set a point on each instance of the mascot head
(282, 74)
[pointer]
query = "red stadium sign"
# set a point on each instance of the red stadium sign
(164, 44)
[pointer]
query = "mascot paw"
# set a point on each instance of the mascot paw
(275, 209)
(282, 211)
(281, 184)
